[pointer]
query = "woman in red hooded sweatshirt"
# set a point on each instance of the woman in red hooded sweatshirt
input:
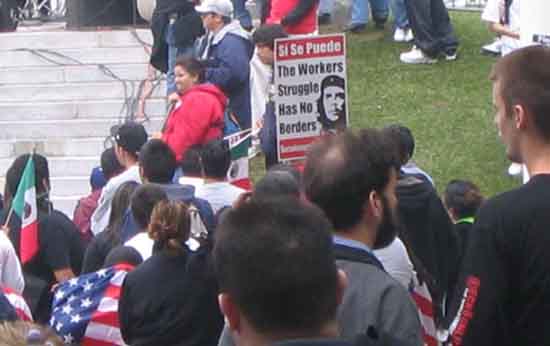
(197, 117)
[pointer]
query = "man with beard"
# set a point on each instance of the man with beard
(504, 289)
(352, 179)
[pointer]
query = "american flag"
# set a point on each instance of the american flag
(423, 300)
(85, 309)
(18, 302)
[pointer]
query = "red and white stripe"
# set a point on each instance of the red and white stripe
(104, 327)
(423, 301)
(19, 303)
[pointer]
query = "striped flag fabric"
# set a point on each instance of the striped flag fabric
(423, 300)
(18, 302)
(85, 309)
(238, 173)
(24, 206)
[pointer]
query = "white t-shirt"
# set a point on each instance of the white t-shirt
(494, 11)
(100, 217)
(397, 263)
(219, 195)
(142, 243)
(11, 274)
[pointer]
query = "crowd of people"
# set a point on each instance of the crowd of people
(351, 246)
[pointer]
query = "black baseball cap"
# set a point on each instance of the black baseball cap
(131, 136)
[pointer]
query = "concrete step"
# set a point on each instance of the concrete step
(62, 166)
(71, 92)
(70, 186)
(64, 110)
(74, 39)
(72, 74)
(65, 204)
(54, 147)
(60, 129)
(119, 55)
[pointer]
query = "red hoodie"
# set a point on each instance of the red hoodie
(196, 119)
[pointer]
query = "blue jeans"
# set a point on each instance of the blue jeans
(360, 11)
(242, 14)
(173, 53)
(399, 10)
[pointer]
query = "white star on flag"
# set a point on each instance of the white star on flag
(67, 309)
(102, 273)
(59, 295)
(68, 339)
(58, 326)
(76, 318)
(86, 303)
(73, 282)
(88, 286)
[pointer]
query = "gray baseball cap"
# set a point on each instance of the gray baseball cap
(222, 7)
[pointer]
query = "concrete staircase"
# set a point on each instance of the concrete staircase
(62, 91)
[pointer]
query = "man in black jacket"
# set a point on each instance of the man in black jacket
(175, 26)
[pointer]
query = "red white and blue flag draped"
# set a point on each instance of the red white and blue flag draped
(85, 309)
(423, 300)
(18, 302)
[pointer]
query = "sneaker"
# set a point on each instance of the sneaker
(416, 56)
(409, 36)
(400, 35)
(515, 169)
(494, 48)
(355, 28)
(451, 56)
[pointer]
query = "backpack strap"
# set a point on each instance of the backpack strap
(346, 253)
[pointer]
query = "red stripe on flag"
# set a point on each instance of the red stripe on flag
(424, 305)
(87, 341)
(244, 184)
(29, 242)
(112, 291)
(108, 318)
(430, 340)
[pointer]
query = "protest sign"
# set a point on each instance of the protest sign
(310, 91)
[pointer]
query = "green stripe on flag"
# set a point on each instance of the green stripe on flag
(27, 182)
(240, 150)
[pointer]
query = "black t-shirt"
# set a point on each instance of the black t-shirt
(504, 289)
(97, 251)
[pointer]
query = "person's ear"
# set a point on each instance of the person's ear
(341, 285)
(45, 184)
(374, 204)
(520, 117)
(230, 311)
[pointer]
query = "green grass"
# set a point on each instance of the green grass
(447, 105)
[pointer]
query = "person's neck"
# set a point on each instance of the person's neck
(360, 233)
(129, 164)
(537, 158)
(330, 330)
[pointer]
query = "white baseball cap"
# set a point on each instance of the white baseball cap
(222, 7)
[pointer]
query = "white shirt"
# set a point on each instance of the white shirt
(397, 263)
(494, 11)
(11, 274)
(219, 195)
(142, 243)
(100, 217)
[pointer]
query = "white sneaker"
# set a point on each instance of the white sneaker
(409, 36)
(451, 57)
(400, 35)
(416, 56)
(514, 169)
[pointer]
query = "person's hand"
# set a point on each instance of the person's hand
(156, 135)
(260, 123)
(173, 98)
(5, 229)
(242, 199)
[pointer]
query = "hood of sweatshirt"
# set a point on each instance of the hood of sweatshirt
(234, 28)
(413, 193)
(211, 89)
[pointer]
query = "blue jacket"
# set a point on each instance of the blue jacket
(228, 66)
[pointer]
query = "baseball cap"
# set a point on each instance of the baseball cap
(222, 7)
(131, 136)
(97, 178)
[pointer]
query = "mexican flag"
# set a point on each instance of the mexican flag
(24, 205)
(238, 170)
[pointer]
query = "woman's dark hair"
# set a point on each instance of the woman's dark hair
(119, 205)
(192, 66)
(463, 197)
(266, 35)
(123, 254)
(170, 225)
